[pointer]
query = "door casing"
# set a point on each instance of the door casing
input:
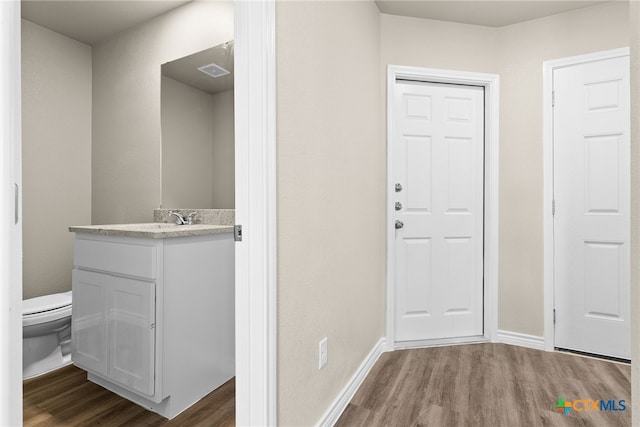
(256, 363)
(11, 214)
(547, 147)
(491, 84)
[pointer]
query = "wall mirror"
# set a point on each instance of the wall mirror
(198, 130)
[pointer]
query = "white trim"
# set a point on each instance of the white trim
(255, 163)
(405, 345)
(547, 152)
(337, 407)
(11, 223)
(521, 340)
(491, 83)
(10, 229)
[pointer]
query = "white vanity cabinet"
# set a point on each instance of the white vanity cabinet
(153, 318)
(114, 334)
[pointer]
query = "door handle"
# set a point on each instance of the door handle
(399, 224)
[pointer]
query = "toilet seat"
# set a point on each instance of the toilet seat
(46, 303)
(46, 308)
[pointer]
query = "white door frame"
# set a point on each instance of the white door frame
(547, 146)
(255, 176)
(255, 204)
(11, 214)
(491, 84)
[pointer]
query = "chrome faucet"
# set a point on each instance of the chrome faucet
(182, 220)
(190, 217)
(179, 218)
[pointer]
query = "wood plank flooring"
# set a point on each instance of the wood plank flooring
(488, 385)
(477, 385)
(66, 398)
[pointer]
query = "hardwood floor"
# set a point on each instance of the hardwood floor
(487, 385)
(477, 385)
(66, 398)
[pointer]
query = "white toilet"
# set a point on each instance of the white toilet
(46, 333)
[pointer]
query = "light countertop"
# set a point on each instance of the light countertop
(154, 230)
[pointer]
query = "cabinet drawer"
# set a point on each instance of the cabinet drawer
(123, 258)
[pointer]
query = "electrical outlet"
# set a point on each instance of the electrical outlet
(323, 356)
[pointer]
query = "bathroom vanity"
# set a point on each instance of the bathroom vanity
(153, 311)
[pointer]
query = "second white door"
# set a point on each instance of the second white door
(592, 198)
(438, 151)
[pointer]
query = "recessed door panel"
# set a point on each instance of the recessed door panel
(603, 95)
(417, 107)
(131, 314)
(88, 320)
(602, 173)
(458, 287)
(458, 109)
(603, 281)
(418, 160)
(461, 162)
(417, 295)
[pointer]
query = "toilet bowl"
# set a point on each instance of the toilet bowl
(46, 333)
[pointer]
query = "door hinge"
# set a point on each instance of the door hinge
(553, 207)
(237, 233)
(554, 316)
(553, 98)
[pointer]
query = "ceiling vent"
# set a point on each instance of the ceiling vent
(213, 70)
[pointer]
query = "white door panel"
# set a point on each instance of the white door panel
(88, 320)
(131, 314)
(438, 146)
(592, 194)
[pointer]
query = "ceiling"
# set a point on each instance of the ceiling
(480, 12)
(185, 69)
(90, 21)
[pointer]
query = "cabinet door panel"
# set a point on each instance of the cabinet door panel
(131, 314)
(89, 337)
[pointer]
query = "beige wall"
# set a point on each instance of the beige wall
(126, 156)
(634, 12)
(516, 53)
(523, 49)
(187, 146)
(331, 192)
(223, 151)
(56, 155)
(438, 44)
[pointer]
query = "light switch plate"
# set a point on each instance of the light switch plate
(323, 356)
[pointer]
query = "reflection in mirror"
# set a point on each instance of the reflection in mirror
(198, 130)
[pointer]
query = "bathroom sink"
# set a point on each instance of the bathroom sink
(153, 230)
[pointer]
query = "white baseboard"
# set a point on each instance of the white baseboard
(523, 340)
(337, 407)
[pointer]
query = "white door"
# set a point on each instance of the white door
(592, 193)
(438, 146)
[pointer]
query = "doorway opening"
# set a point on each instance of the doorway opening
(255, 187)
